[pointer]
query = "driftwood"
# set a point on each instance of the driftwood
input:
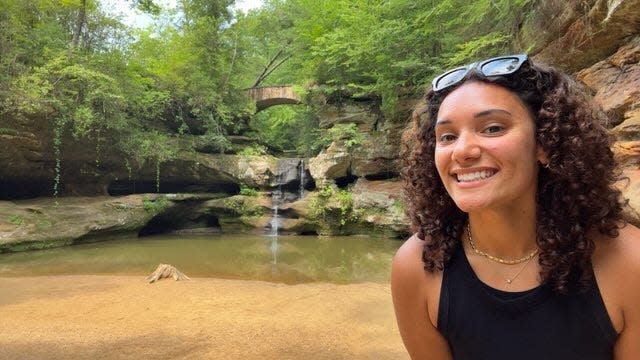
(166, 271)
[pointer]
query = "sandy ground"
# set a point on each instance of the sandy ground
(123, 317)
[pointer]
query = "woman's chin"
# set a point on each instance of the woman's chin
(472, 205)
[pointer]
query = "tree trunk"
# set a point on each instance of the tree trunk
(80, 22)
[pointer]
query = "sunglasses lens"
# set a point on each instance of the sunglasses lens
(502, 66)
(450, 78)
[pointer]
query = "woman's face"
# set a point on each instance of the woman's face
(486, 153)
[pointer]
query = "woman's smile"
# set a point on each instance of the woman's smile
(474, 175)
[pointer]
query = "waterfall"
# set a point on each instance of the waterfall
(301, 178)
(275, 218)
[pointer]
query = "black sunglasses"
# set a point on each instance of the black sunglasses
(502, 65)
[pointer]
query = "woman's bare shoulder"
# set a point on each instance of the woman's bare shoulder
(415, 293)
(621, 253)
(616, 263)
(408, 270)
(408, 260)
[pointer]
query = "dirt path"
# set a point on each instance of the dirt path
(122, 317)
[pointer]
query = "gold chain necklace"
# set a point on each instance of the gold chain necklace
(497, 259)
(510, 280)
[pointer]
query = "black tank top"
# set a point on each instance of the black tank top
(481, 322)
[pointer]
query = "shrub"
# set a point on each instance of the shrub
(247, 191)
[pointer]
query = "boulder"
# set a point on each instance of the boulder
(377, 157)
(252, 170)
(241, 214)
(378, 194)
(379, 208)
(330, 164)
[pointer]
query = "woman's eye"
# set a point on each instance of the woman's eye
(446, 138)
(493, 129)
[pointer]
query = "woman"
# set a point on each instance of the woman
(520, 251)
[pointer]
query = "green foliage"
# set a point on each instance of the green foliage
(155, 205)
(153, 146)
(247, 191)
(253, 150)
(346, 134)
(288, 128)
(93, 82)
(69, 93)
(398, 207)
(332, 205)
(148, 6)
(212, 142)
(16, 220)
(44, 224)
(393, 46)
(8, 131)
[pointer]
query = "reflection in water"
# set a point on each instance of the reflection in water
(274, 249)
(288, 259)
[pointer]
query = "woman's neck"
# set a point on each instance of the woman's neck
(509, 234)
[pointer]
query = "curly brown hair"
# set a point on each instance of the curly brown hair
(575, 192)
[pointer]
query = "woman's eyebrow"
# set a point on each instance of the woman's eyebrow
(491, 111)
(442, 122)
(476, 115)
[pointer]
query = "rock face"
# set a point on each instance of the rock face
(577, 34)
(47, 223)
(330, 164)
(240, 214)
(380, 207)
(375, 158)
(371, 208)
(27, 162)
(616, 84)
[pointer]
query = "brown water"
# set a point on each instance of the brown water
(287, 259)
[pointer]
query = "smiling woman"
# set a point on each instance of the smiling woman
(497, 121)
(520, 250)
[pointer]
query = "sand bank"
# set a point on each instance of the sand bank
(123, 317)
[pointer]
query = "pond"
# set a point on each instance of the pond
(285, 259)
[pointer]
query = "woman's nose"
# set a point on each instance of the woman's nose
(466, 148)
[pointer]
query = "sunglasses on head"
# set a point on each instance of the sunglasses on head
(502, 65)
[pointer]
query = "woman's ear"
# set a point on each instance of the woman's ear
(541, 156)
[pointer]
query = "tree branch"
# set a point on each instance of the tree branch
(268, 69)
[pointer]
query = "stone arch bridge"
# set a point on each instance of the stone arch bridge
(273, 95)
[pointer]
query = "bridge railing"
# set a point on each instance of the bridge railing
(273, 92)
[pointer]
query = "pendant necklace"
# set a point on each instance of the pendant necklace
(510, 280)
(526, 259)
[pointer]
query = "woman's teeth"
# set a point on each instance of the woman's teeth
(474, 176)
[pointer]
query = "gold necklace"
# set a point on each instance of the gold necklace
(510, 280)
(497, 259)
